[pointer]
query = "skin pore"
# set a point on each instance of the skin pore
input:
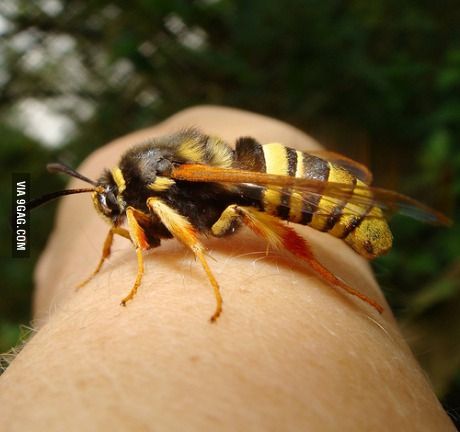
(287, 353)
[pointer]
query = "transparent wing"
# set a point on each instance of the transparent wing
(362, 196)
(357, 169)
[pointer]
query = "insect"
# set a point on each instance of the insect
(189, 183)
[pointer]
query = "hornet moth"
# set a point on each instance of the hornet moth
(189, 183)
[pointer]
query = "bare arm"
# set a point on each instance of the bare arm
(288, 352)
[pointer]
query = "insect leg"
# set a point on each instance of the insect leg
(183, 230)
(228, 222)
(105, 251)
(139, 239)
(280, 236)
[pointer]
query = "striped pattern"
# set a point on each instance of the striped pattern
(194, 147)
(336, 216)
(330, 209)
(276, 162)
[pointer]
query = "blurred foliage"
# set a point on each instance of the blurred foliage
(379, 81)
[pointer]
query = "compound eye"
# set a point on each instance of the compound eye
(102, 199)
(107, 203)
(111, 203)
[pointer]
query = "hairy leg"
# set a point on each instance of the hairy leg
(106, 250)
(280, 236)
(181, 229)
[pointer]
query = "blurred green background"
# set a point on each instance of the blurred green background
(378, 81)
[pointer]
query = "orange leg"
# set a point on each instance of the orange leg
(183, 230)
(105, 252)
(280, 236)
(137, 236)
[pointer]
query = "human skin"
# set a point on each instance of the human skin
(288, 352)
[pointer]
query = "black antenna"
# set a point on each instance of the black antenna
(60, 167)
(53, 195)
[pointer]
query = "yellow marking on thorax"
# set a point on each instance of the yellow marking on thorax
(119, 179)
(192, 151)
(161, 184)
(214, 151)
(222, 154)
(296, 201)
(327, 204)
(276, 162)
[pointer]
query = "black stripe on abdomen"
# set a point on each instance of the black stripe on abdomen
(336, 213)
(283, 208)
(249, 155)
(355, 223)
(317, 169)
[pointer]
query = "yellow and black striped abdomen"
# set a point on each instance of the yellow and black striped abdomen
(362, 227)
